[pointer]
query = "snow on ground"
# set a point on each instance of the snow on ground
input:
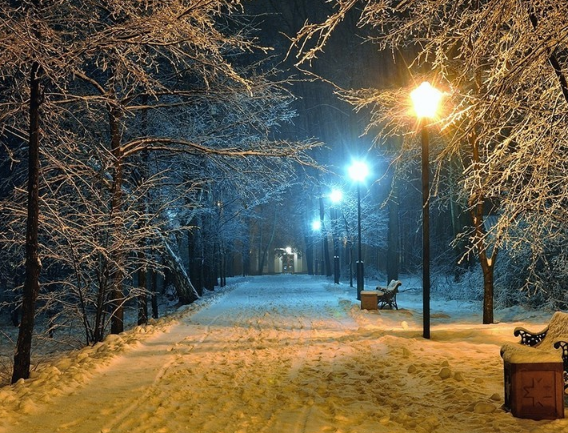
(283, 354)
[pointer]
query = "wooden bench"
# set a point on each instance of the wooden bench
(387, 294)
(549, 340)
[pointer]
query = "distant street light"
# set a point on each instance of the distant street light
(316, 225)
(425, 100)
(358, 171)
(336, 196)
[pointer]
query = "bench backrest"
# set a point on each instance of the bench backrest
(394, 284)
(557, 329)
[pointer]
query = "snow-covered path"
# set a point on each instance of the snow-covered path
(283, 354)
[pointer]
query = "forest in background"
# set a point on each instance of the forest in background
(174, 143)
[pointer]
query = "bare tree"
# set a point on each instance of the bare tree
(30, 41)
(182, 61)
(503, 66)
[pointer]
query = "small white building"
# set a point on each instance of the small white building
(287, 261)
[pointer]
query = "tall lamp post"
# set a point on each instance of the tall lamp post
(425, 100)
(358, 171)
(336, 196)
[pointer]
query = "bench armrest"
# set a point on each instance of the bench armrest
(563, 345)
(529, 338)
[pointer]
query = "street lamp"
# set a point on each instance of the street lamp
(336, 196)
(425, 100)
(358, 171)
(316, 225)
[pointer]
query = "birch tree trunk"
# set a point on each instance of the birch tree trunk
(185, 290)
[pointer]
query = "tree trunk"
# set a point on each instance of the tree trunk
(393, 251)
(222, 265)
(143, 272)
(154, 279)
(328, 269)
(308, 240)
(335, 242)
(246, 256)
(209, 263)
(265, 249)
(117, 297)
(216, 272)
(487, 261)
(460, 221)
(487, 291)
(185, 290)
(195, 254)
(143, 297)
(260, 259)
(22, 357)
(100, 313)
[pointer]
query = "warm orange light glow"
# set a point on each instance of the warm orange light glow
(425, 99)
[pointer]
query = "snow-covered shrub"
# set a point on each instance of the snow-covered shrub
(468, 287)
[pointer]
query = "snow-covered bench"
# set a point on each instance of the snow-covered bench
(541, 346)
(387, 295)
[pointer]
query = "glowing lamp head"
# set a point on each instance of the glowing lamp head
(358, 171)
(425, 100)
(336, 196)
